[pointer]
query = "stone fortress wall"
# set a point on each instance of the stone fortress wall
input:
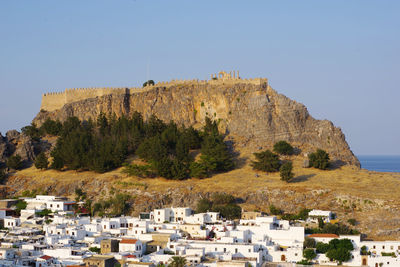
(56, 100)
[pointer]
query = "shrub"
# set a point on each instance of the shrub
(389, 254)
(203, 205)
(148, 83)
(340, 255)
(266, 161)
(319, 159)
(198, 170)
(43, 213)
(364, 250)
(229, 211)
(51, 127)
(274, 210)
(32, 131)
(95, 249)
(309, 242)
(309, 254)
(15, 162)
(222, 198)
(322, 248)
(352, 221)
(41, 161)
(142, 171)
(21, 205)
(286, 171)
(283, 148)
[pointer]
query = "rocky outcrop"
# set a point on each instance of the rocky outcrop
(15, 143)
(252, 116)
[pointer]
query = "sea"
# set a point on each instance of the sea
(380, 163)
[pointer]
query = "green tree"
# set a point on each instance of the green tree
(203, 205)
(283, 148)
(21, 205)
(309, 242)
(266, 161)
(340, 255)
(222, 199)
(321, 223)
(177, 261)
(229, 211)
(95, 250)
(15, 162)
(152, 149)
(322, 248)
(215, 154)
(309, 254)
(286, 171)
(58, 162)
(198, 170)
(41, 161)
(32, 131)
(274, 210)
(148, 83)
(51, 127)
(364, 250)
(192, 138)
(319, 159)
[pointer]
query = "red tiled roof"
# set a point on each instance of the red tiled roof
(324, 235)
(45, 257)
(128, 241)
(130, 256)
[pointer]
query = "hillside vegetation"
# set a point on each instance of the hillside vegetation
(370, 197)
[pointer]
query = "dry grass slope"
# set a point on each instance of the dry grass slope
(370, 197)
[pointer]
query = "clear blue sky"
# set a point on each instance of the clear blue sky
(340, 58)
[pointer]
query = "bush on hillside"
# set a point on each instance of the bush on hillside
(15, 162)
(283, 148)
(41, 161)
(266, 161)
(286, 171)
(319, 159)
(51, 127)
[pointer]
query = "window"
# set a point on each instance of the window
(215, 249)
(158, 213)
(391, 247)
(383, 247)
(373, 246)
(236, 250)
(249, 250)
(224, 249)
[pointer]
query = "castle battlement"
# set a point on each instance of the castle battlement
(55, 100)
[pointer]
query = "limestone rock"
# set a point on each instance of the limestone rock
(16, 143)
(251, 115)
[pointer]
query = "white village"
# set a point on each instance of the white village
(48, 232)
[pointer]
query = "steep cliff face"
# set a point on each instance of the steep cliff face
(253, 116)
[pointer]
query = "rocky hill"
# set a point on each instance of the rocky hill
(250, 112)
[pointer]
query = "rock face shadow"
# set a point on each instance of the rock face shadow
(301, 178)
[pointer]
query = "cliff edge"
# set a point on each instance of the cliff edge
(250, 112)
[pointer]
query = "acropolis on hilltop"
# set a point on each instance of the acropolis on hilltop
(56, 100)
